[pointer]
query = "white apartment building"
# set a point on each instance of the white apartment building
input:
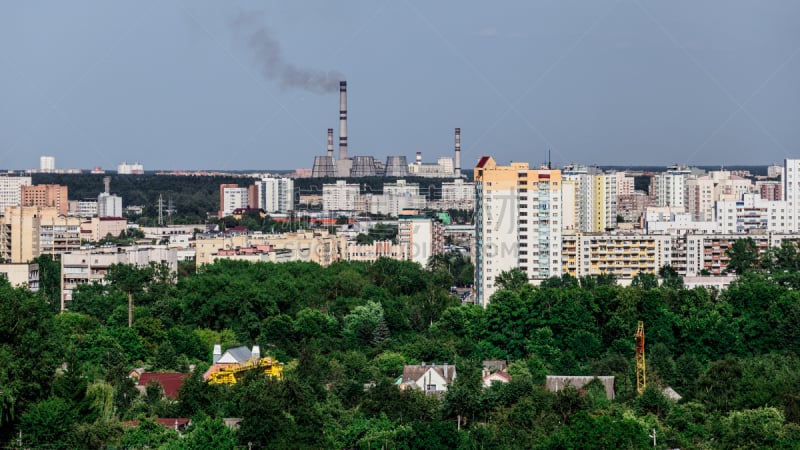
(47, 163)
(82, 208)
(130, 169)
(791, 192)
(458, 194)
(341, 197)
(670, 186)
(234, 198)
(11, 190)
(517, 223)
(751, 213)
(109, 205)
(275, 194)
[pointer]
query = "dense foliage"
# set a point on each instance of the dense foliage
(346, 331)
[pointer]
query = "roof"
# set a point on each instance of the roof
(171, 382)
(671, 394)
(414, 373)
(482, 162)
(495, 365)
(235, 355)
(501, 375)
(555, 383)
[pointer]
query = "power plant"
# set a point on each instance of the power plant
(367, 166)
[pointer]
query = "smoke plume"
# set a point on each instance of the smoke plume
(269, 60)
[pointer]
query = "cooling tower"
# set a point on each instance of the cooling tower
(363, 166)
(396, 166)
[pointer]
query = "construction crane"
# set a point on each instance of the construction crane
(230, 374)
(641, 375)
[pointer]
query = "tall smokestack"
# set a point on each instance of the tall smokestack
(330, 142)
(458, 154)
(343, 120)
(419, 157)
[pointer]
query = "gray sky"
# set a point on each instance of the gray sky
(242, 85)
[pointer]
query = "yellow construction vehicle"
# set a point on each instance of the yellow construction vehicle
(230, 374)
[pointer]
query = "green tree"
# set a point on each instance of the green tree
(49, 423)
(742, 256)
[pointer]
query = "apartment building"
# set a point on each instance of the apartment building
(233, 197)
(517, 223)
(669, 187)
(11, 190)
(275, 194)
(421, 236)
(21, 275)
(342, 197)
(376, 250)
(719, 185)
(621, 255)
(458, 194)
(312, 246)
(27, 232)
(53, 195)
(82, 266)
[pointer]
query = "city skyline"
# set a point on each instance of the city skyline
(253, 85)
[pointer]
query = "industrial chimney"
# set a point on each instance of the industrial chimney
(457, 172)
(107, 184)
(419, 157)
(343, 120)
(330, 142)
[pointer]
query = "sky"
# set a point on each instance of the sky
(240, 85)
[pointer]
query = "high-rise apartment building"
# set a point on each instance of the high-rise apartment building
(422, 236)
(233, 197)
(791, 192)
(517, 223)
(53, 195)
(11, 191)
(669, 187)
(589, 200)
(341, 197)
(47, 164)
(109, 205)
(275, 194)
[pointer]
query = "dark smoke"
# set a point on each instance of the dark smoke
(268, 58)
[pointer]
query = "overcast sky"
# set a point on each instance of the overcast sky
(245, 85)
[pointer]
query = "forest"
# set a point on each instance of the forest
(345, 331)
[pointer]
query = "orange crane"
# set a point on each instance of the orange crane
(641, 375)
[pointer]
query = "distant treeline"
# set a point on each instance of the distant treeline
(193, 197)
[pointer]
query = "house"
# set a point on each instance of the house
(170, 382)
(431, 379)
(555, 383)
(494, 371)
(496, 377)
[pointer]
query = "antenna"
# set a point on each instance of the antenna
(549, 165)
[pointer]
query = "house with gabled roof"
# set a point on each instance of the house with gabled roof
(170, 382)
(555, 383)
(431, 379)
